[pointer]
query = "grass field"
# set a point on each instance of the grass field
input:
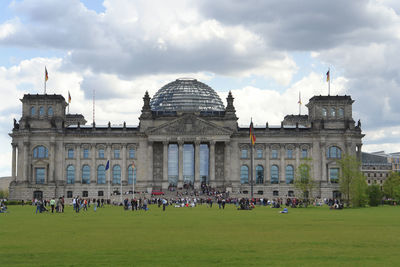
(201, 237)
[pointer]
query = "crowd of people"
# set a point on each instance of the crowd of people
(206, 196)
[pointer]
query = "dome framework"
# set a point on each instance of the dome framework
(186, 94)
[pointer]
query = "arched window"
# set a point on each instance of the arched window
(274, 174)
(116, 174)
(85, 174)
(333, 112)
(132, 153)
(334, 152)
(259, 174)
(101, 153)
(50, 111)
(101, 174)
(131, 174)
(33, 111)
(341, 113)
(41, 111)
(324, 112)
(244, 174)
(245, 153)
(40, 152)
(71, 153)
(289, 174)
(70, 174)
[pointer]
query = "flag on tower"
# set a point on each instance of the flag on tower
(252, 135)
(327, 76)
(46, 75)
(69, 97)
(299, 99)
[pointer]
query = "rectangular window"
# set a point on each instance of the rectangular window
(85, 153)
(116, 153)
(289, 153)
(259, 153)
(69, 194)
(275, 193)
(131, 153)
(40, 173)
(101, 153)
(274, 153)
(304, 153)
(85, 194)
(70, 153)
(100, 193)
(244, 154)
(334, 175)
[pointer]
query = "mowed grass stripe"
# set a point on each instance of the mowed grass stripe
(201, 236)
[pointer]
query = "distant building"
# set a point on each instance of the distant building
(375, 168)
(392, 158)
(5, 183)
(186, 138)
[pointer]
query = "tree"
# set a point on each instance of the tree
(352, 182)
(391, 187)
(3, 194)
(304, 181)
(374, 195)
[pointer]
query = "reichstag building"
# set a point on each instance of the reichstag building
(186, 138)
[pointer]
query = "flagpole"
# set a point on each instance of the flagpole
(45, 79)
(109, 182)
(133, 182)
(299, 103)
(251, 164)
(120, 182)
(329, 82)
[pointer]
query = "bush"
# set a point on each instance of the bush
(374, 195)
(17, 202)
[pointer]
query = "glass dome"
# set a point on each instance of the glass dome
(186, 95)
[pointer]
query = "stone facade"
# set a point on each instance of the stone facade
(52, 157)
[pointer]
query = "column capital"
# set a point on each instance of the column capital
(213, 142)
(14, 145)
(124, 145)
(180, 142)
(197, 142)
(165, 143)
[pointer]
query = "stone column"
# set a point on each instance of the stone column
(227, 163)
(26, 162)
(197, 165)
(165, 166)
(124, 176)
(323, 163)
(149, 162)
(14, 162)
(93, 166)
(212, 163)
(180, 165)
(108, 172)
(267, 165)
(298, 155)
(282, 178)
(78, 170)
(52, 162)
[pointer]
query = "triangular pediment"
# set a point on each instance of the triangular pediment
(189, 125)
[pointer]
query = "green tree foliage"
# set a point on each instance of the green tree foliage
(304, 181)
(3, 194)
(391, 187)
(352, 182)
(374, 195)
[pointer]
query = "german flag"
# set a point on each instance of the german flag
(327, 76)
(252, 135)
(46, 74)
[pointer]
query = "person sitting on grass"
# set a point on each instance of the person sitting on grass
(285, 210)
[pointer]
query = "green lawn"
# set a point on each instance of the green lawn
(201, 237)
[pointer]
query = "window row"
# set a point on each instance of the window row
(101, 153)
(84, 194)
(274, 174)
(42, 111)
(101, 174)
(259, 153)
(333, 112)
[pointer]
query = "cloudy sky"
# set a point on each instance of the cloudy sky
(265, 52)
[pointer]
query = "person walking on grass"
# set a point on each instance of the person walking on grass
(52, 204)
